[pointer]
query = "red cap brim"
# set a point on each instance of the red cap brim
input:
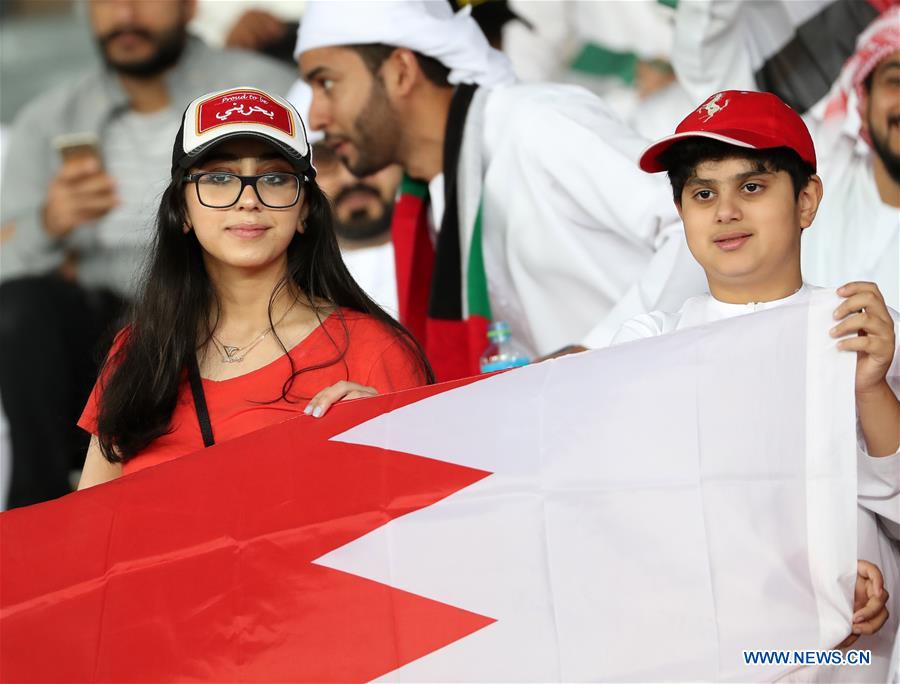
(649, 160)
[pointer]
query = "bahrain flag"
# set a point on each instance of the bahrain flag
(639, 513)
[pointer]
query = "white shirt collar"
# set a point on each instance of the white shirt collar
(719, 310)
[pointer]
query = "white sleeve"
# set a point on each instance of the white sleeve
(711, 51)
(878, 482)
(878, 477)
(638, 328)
(721, 44)
(543, 51)
(580, 176)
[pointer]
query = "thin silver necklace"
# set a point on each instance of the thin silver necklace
(232, 354)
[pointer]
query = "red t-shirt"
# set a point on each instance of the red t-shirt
(374, 357)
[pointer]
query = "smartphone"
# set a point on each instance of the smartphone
(74, 146)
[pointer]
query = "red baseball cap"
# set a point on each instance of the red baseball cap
(242, 112)
(742, 118)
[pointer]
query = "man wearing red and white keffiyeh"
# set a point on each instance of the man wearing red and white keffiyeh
(857, 126)
(874, 46)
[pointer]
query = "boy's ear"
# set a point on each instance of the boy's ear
(678, 209)
(808, 201)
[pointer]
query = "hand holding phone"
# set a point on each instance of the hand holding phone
(73, 147)
(81, 191)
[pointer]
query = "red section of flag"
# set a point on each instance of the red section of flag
(243, 106)
(202, 568)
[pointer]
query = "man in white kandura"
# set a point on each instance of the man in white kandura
(516, 204)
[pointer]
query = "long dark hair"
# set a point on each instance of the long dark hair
(170, 319)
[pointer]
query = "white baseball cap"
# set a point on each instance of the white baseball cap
(242, 112)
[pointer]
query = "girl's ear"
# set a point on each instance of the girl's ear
(301, 220)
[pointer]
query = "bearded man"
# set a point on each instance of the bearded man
(77, 218)
(522, 202)
(362, 220)
(857, 230)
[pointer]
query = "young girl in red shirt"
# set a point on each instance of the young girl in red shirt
(247, 315)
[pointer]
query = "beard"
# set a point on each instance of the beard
(880, 145)
(360, 226)
(169, 47)
(376, 134)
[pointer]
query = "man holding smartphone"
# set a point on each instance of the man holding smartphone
(86, 164)
(81, 191)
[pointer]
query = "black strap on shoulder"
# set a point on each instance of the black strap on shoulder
(200, 402)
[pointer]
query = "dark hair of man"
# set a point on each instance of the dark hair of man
(171, 317)
(375, 54)
(682, 159)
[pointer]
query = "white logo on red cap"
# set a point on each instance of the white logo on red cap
(240, 109)
(712, 107)
(243, 106)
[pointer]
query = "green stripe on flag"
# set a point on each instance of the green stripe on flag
(600, 61)
(411, 186)
(476, 280)
(669, 3)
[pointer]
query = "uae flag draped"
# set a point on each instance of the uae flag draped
(640, 513)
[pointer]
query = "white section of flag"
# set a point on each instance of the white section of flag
(654, 508)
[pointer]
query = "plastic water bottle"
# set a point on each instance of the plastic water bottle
(502, 352)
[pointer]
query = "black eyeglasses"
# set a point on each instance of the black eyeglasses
(218, 189)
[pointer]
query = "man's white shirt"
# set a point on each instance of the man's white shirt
(373, 269)
(855, 236)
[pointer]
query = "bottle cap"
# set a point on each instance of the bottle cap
(498, 330)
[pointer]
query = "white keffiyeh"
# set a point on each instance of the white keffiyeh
(427, 27)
